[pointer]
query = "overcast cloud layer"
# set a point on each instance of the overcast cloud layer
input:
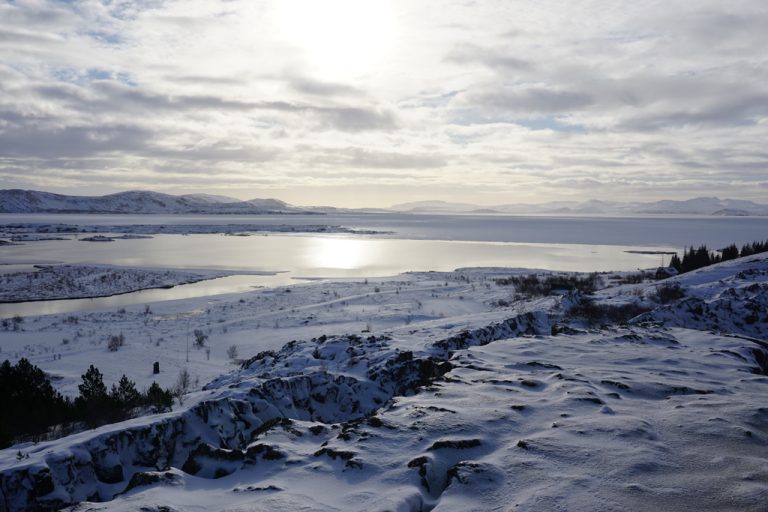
(369, 103)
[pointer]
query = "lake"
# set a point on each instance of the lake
(673, 230)
(417, 243)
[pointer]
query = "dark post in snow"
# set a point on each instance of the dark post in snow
(156, 367)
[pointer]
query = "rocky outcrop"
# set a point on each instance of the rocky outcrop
(220, 435)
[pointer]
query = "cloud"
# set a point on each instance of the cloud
(524, 100)
(535, 100)
(376, 159)
(319, 88)
(494, 58)
(72, 142)
(737, 110)
(354, 119)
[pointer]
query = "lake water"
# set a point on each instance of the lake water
(676, 231)
(417, 243)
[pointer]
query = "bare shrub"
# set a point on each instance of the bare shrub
(115, 342)
(182, 385)
(534, 286)
(200, 338)
(595, 314)
(667, 293)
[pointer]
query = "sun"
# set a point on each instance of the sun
(337, 38)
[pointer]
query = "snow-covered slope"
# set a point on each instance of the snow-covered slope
(209, 198)
(31, 201)
(627, 400)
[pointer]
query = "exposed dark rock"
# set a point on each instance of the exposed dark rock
(615, 384)
(142, 479)
(462, 444)
(110, 475)
(590, 399)
(347, 457)
(268, 452)
(418, 461)
(761, 359)
(252, 488)
(536, 364)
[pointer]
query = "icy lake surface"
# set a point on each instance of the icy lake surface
(412, 243)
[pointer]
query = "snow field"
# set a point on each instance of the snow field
(451, 402)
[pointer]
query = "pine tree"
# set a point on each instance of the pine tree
(124, 394)
(29, 403)
(93, 404)
(160, 399)
(730, 253)
(676, 263)
(92, 388)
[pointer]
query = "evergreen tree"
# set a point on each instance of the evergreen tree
(676, 263)
(92, 388)
(701, 257)
(93, 403)
(730, 253)
(160, 399)
(124, 394)
(29, 403)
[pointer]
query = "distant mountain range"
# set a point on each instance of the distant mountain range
(32, 201)
(696, 206)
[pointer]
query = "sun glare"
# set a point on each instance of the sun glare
(338, 253)
(338, 38)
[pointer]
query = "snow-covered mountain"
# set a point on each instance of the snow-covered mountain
(436, 207)
(210, 198)
(32, 201)
(703, 205)
(696, 206)
(629, 398)
(139, 201)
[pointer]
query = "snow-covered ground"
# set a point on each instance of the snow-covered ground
(35, 231)
(76, 281)
(444, 391)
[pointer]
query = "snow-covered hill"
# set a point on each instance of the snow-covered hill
(31, 201)
(646, 396)
(696, 206)
(436, 206)
(209, 198)
(707, 205)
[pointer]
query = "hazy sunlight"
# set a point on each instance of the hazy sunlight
(339, 38)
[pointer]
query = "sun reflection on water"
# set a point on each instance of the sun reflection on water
(340, 253)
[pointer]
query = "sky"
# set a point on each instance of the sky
(368, 103)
